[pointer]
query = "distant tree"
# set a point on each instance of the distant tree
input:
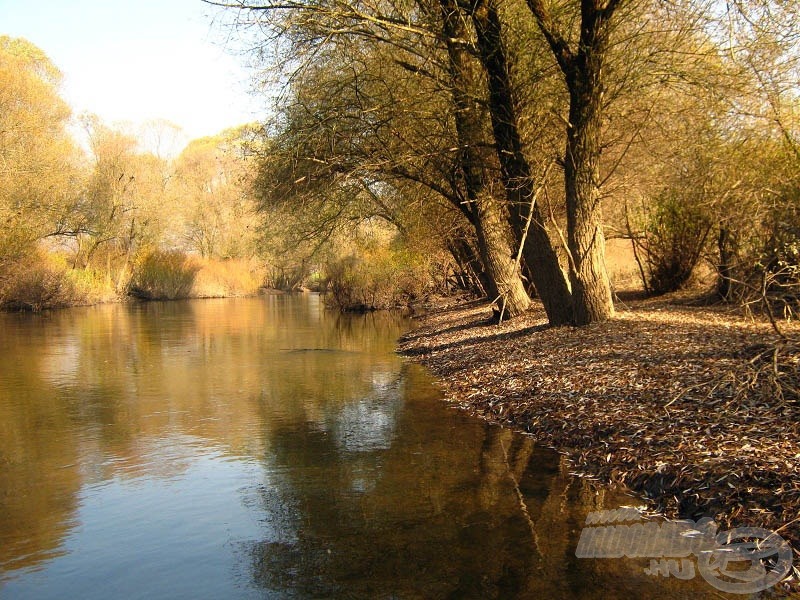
(212, 190)
(124, 207)
(39, 172)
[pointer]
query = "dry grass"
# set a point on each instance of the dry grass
(621, 265)
(677, 402)
(227, 278)
(42, 280)
(164, 275)
(45, 280)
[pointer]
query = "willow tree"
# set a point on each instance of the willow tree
(582, 64)
(211, 185)
(488, 217)
(526, 215)
(38, 160)
(426, 125)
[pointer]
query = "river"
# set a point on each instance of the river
(268, 448)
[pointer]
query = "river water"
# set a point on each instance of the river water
(268, 448)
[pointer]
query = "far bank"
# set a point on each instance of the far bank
(47, 280)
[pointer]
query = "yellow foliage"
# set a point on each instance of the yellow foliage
(41, 280)
(225, 278)
(39, 173)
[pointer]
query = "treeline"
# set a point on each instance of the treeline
(90, 213)
(116, 215)
(505, 140)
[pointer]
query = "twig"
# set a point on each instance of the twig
(685, 391)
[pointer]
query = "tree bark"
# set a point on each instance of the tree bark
(583, 72)
(725, 268)
(591, 287)
(540, 257)
(472, 271)
(491, 225)
(497, 255)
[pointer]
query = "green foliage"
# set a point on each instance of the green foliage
(164, 275)
(90, 286)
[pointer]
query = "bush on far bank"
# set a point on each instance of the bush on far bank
(163, 275)
(40, 280)
(43, 279)
(377, 279)
(227, 278)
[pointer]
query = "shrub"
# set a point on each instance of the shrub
(31, 283)
(760, 262)
(164, 275)
(289, 277)
(781, 254)
(41, 280)
(90, 286)
(226, 278)
(675, 236)
(377, 280)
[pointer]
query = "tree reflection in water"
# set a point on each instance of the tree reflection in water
(452, 508)
(294, 436)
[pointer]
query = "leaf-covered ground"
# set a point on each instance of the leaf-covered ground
(694, 408)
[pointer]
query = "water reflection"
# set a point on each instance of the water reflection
(267, 448)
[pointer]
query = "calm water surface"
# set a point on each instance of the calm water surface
(266, 448)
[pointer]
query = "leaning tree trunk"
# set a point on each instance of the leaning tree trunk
(487, 215)
(540, 257)
(468, 261)
(498, 257)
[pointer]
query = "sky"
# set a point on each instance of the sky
(130, 61)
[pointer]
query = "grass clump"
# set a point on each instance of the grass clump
(164, 275)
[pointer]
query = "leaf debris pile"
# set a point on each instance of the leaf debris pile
(695, 409)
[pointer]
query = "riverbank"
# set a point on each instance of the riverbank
(43, 281)
(676, 402)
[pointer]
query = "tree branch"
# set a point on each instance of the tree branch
(555, 39)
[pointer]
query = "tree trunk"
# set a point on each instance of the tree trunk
(498, 256)
(491, 225)
(472, 271)
(582, 67)
(591, 289)
(725, 268)
(540, 257)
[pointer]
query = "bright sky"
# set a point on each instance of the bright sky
(136, 60)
